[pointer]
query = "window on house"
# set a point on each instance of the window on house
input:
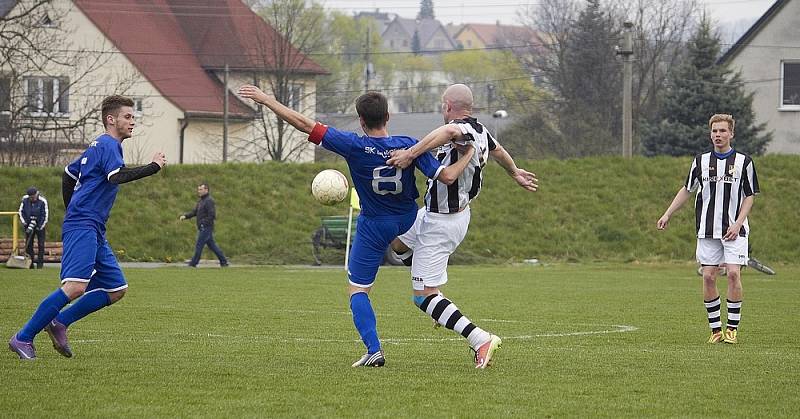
(790, 91)
(138, 106)
(5, 107)
(439, 44)
(405, 43)
(5, 94)
(48, 96)
(469, 43)
(46, 22)
(391, 43)
(295, 96)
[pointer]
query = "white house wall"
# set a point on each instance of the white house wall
(760, 63)
(248, 133)
(157, 126)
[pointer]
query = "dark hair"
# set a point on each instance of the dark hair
(373, 108)
(111, 105)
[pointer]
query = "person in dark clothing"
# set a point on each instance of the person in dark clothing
(205, 213)
(33, 212)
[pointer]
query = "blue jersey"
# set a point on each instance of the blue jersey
(94, 195)
(382, 189)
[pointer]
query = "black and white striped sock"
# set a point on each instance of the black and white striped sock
(712, 307)
(447, 314)
(734, 313)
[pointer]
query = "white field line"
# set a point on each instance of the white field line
(194, 337)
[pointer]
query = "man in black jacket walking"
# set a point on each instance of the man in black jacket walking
(33, 212)
(205, 213)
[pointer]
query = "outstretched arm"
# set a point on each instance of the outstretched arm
(450, 174)
(129, 174)
(680, 198)
(438, 137)
(524, 178)
(294, 118)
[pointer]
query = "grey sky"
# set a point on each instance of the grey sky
(483, 11)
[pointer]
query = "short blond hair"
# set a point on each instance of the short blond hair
(722, 117)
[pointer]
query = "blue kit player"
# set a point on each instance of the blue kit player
(89, 269)
(388, 195)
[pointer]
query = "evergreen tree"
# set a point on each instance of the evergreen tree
(416, 45)
(698, 89)
(425, 10)
(591, 82)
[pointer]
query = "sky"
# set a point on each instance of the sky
(484, 11)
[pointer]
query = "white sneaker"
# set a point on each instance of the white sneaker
(371, 360)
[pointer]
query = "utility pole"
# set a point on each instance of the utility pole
(627, 86)
(225, 116)
(368, 68)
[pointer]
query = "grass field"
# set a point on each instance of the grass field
(606, 340)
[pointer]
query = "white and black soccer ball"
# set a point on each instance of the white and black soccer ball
(330, 187)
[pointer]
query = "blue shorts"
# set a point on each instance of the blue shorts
(88, 258)
(373, 237)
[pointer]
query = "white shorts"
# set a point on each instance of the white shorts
(717, 251)
(433, 238)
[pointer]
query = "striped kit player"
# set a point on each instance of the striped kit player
(725, 182)
(448, 199)
(722, 181)
(388, 196)
(442, 225)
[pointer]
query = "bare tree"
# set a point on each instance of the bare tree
(661, 27)
(47, 84)
(284, 58)
(579, 67)
(351, 53)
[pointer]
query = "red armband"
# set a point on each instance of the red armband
(317, 133)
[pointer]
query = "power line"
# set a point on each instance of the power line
(311, 54)
(344, 54)
(339, 92)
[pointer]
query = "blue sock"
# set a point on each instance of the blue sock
(88, 304)
(364, 319)
(46, 312)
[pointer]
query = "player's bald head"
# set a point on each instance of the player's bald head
(459, 96)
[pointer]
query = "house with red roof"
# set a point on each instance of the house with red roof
(173, 57)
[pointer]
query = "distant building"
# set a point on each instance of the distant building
(768, 56)
(452, 29)
(483, 35)
(400, 32)
(381, 18)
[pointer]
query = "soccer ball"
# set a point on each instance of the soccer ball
(329, 187)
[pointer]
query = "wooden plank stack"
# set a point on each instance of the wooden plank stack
(52, 250)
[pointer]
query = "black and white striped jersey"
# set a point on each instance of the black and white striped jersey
(722, 183)
(448, 199)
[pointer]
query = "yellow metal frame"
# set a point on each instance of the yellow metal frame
(14, 225)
